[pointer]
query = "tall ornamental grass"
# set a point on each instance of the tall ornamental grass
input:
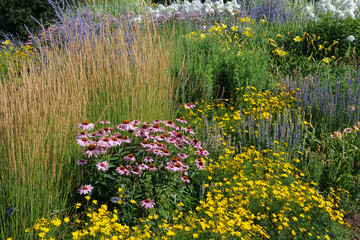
(100, 77)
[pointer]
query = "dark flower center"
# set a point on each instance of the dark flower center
(131, 155)
(106, 139)
(84, 139)
(152, 165)
(126, 121)
(85, 122)
(91, 147)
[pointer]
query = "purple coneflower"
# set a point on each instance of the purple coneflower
(202, 153)
(85, 125)
(105, 122)
(136, 171)
(143, 167)
(130, 158)
(84, 142)
(171, 124)
(106, 142)
(85, 189)
(103, 166)
(82, 162)
(148, 159)
(185, 179)
(200, 163)
(182, 155)
(147, 203)
(152, 167)
(182, 120)
(189, 105)
(123, 171)
(188, 130)
(135, 122)
(81, 135)
(157, 121)
(92, 151)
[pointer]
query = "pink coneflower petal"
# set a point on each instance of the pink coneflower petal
(189, 105)
(148, 159)
(85, 189)
(103, 166)
(185, 179)
(200, 163)
(123, 171)
(92, 151)
(82, 162)
(182, 120)
(147, 203)
(105, 122)
(152, 167)
(182, 155)
(130, 158)
(84, 142)
(202, 153)
(85, 125)
(81, 135)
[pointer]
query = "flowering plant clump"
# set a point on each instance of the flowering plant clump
(154, 164)
(8, 52)
(254, 117)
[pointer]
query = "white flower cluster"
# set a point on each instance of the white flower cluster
(196, 6)
(340, 9)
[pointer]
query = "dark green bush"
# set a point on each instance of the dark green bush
(17, 13)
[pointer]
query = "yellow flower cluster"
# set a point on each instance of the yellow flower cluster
(313, 45)
(261, 197)
(259, 104)
(228, 35)
(9, 53)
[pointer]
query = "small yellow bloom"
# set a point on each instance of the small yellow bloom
(87, 198)
(234, 28)
(297, 39)
(66, 220)
(280, 52)
(78, 205)
(326, 60)
(132, 201)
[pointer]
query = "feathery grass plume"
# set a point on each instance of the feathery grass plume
(83, 78)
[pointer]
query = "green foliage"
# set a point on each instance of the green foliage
(335, 30)
(17, 13)
(331, 160)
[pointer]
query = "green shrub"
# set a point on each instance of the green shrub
(17, 13)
